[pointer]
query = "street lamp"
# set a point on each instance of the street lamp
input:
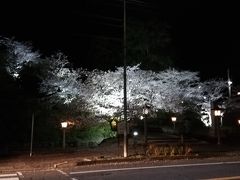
(64, 126)
(135, 134)
(113, 124)
(218, 113)
(145, 112)
(174, 119)
(238, 122)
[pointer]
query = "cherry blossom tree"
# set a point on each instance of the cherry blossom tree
(64, 89)
(61, 83)
(102, 91)
(164, 90)
(105, 90)
(176, 87)
(18, 55)
(212, 91)
(167, 90)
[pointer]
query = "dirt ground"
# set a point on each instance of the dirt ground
(109, 150)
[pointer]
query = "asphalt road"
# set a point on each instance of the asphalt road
(207, 169)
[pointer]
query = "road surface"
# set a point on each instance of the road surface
(217, 170)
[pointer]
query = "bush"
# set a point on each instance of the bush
(94, 135)
(168, 150)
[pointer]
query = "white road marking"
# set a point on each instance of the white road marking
(64, 173)
(224, 178)
(9, 177)
(20, 175)
(154, 167)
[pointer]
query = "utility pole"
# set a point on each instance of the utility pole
(31, 144)
(64, 139)
(125, 149)
(229, 83)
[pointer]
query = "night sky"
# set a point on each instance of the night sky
(205, 36)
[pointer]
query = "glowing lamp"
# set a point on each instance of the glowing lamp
(64, 124)
(174, 119)
(135, 133)
(217, 112)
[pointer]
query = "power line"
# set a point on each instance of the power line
(98, 16)
(97, 37)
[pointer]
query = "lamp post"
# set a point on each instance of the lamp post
(145, 112)
(218, 114)
(64, 126)
(135, 134)
(31, 145)
(113, 124)
(174, 119)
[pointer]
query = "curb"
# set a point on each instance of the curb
(159, 158)
(58, 164)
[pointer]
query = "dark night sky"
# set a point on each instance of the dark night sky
(205, 36)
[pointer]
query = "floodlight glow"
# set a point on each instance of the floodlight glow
(229, 82)
(16, 75)
(145, 111)
(135, 133)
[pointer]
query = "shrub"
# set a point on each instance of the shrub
(94, 135)
(168, 150)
